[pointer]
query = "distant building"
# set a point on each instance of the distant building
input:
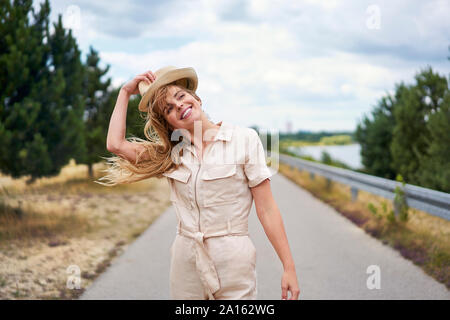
(288, 127)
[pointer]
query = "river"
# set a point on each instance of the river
(349, 154)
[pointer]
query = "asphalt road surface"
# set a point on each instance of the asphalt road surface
(332, 257)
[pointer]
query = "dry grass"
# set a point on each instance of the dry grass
(68, 220)
(423, 238)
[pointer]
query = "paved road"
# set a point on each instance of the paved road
(330, 252)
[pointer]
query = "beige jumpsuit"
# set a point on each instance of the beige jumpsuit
(212, 256)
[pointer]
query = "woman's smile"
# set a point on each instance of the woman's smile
(186, 113)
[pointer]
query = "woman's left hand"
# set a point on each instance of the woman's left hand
(289, 283)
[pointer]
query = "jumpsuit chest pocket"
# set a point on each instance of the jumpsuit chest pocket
(219, 185)
(180, 190)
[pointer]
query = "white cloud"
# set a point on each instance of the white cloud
(261, 62)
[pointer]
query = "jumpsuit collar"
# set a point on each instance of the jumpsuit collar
(224, 133)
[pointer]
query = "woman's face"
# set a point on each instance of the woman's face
(181, 109)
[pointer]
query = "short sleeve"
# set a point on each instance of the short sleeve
(255, 166)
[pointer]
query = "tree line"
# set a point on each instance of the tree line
(310, 136)
(409, 133)
(53, 105)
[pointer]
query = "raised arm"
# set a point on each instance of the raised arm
(115, 141)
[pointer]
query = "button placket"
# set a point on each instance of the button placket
(201, 162)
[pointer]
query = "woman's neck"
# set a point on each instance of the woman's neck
(203, 132)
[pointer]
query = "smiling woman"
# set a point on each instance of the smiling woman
(168, 108)
(139, 159)
(176, 103)
(212, 256)
(170, 103)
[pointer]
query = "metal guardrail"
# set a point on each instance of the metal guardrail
(431, 201)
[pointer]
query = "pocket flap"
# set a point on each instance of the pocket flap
(181, 174)
(217, 172)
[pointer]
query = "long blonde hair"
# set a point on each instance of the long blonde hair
(158, 146)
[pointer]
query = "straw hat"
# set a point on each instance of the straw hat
(185, 77)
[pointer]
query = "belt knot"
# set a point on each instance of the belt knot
(199, 236)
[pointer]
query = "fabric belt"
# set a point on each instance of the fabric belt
(203, 262)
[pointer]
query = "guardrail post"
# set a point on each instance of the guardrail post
(311, 175)
(328, 184)
(400, 203)
(396, 208)
(354, 193)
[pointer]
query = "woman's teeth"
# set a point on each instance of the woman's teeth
(186, 113)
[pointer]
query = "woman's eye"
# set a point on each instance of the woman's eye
(182, 96)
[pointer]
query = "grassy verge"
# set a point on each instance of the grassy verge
(68, 220)
(422, 238)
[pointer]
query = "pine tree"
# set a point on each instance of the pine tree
(135, 118)
(434, 170)
(375, 136)
(23, 72)
(98, 109)
(68, 132)
(41, 103)
(412, 137)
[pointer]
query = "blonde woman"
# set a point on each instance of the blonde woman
(214, 171)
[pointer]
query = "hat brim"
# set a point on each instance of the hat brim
(185, 77)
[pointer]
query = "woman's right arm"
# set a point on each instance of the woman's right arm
(115, 141)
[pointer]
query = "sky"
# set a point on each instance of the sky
(279, 65)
